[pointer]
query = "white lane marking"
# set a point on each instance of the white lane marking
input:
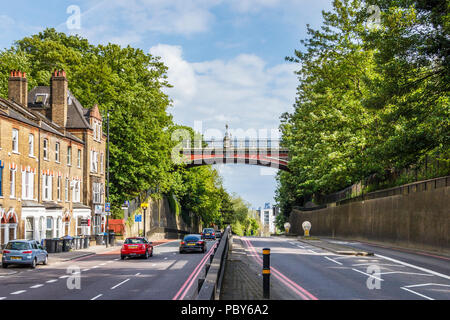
(153, 264)
(36, 286)
(63, 277)
(410, 273)
(333, 260)
(51, 281)
(369, 275)
(1, 298)
(102, 264)
(94, 267)
(116, 259)
(119, 284)
(85, 270)
(415, 267)
(137, 274)
(378, 264)
(416, 293)
(19, 292)
(165, 258)
(344, 257)
(311, 251)
(300, 246)
(427, 284)
(97, 296)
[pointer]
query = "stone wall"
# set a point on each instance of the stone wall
(419, 220)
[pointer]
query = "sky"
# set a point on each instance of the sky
(225, 58)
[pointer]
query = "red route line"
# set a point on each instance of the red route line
(306, 295)
(193, 275)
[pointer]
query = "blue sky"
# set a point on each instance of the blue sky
(225, 58)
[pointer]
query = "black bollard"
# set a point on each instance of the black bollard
(266, 273)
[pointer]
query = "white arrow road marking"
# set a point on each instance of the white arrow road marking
(97, 296)
(36, 286)
(19, 292)
(119, 284)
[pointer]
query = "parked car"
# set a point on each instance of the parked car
(208, 233)
(28, 252)
(136, 247)
(218, 234)
(192, 242)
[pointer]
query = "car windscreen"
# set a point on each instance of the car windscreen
(191, 238)
(17, 246)
(134, 241)
(208, 230)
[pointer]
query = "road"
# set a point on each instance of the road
(305, 272)
(167, 275)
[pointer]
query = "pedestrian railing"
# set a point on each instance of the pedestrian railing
(210, 286)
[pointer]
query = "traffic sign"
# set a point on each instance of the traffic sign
(138, 218)
(107, 207)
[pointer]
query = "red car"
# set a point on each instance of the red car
(136, 247)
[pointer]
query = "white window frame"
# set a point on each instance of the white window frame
(58, 188)
(57, 151)
(45, 149)
(31, 145)
(15, 140)
(79, 158)
(12, 181)
(69, 155)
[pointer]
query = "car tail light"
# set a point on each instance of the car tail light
(200, 242)
(182, 242)
(6, 251)
(27, 251)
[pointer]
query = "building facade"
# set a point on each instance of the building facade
(267, 216)
(52, 162)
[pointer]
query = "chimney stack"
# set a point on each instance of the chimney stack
(59, 95)
(18, 87)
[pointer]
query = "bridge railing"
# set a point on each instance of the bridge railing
(233, 143)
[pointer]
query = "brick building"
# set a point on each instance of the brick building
(52, 162)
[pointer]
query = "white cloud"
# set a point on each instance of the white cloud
(243, 92)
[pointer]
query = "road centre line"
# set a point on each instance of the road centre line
(97, 296)
(36, 286)
(18, 292)
(415, 267)
(51, 281)
(378, 264)
(119, 284)
(409, 273)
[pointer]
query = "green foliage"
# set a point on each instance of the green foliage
(370, 102)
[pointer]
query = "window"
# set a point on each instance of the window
(97, 192)
(1, 177)
(45, 149)
(29, 226)
(15, 140)
(101, 163)
(57, 152)
(41, 229)
(12, 183)
(66, 190)
(58, 188)
(76, 191)
(94, 161)
(58, 227)
(31, 145)
(27, 185)
(69, 156)
(47, 187)
(49, 229)
(79, 158)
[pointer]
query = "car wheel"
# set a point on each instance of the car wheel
(45, 262)
(33, 264)
(4, 265)
(146, 255)
(122, 257)
(151, 253)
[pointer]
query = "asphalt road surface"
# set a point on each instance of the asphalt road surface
(167, 275)
(306, 272)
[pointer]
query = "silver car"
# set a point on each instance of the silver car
(28, 252)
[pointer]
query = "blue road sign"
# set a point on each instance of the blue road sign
(107, 207)
(137, 218)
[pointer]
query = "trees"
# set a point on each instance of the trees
(370, 101)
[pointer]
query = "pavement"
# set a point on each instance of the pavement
(327, 269)
(100, 274)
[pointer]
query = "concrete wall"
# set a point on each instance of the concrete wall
(419, 220)
(159, 218)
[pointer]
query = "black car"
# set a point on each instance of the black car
(208, 233)
(192, 242)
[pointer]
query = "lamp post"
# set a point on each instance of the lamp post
(107, 176)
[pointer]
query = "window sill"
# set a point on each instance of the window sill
(16, 152)
(32, 156)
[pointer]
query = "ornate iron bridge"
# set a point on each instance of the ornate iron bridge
(259, 152)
